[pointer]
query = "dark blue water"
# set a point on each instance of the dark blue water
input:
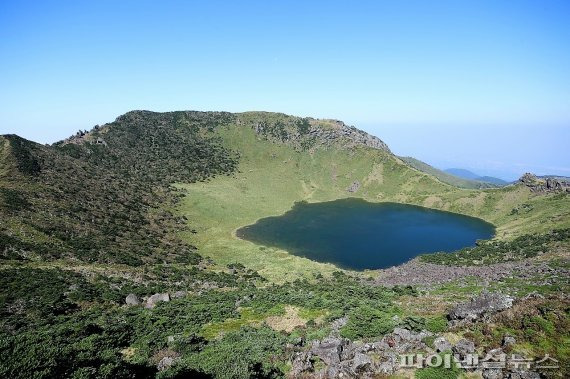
(355, 234)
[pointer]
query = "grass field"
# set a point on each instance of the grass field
(273, 176)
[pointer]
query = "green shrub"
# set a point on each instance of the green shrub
(436, 324)
(366, 322)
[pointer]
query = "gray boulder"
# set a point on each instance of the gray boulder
(179, 294)
(481, 306)
(464, 347)
(156, 298)
(509, 340)
(361, 362)
(165, 363)
(402, 334)
(492, 373)
(389, 364)
(132, 299)
(329, 349)
(301, 363)
(441, 344)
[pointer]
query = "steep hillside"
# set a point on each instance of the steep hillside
(105, 196)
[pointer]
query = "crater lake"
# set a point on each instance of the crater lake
(356, 234)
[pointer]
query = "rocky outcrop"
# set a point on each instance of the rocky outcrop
(509, 341)
(335, 357)
(352, 136)
(309, 131)
(480, 307)
(344, 358)
(179, 294)
(545, 185)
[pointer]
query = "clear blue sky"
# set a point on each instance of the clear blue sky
(474, 84)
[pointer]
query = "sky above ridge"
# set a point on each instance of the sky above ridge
(483, 85)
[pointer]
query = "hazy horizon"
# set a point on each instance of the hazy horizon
(483, 86)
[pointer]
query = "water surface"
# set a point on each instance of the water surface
(356, 234)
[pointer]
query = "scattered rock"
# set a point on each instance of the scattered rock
(524, 375)
(179, 294)
(464, 347)
(156, 298)
(441, 344)
(165, 363)
(418, 273)
(355, 186)
(132, 299)
(301, 363)
(492, 373)
(509, 340)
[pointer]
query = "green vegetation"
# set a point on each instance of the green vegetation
(488, 252)
(108, 202)
(366, 322)
(126, 208)
(77, 326)
(540, 326)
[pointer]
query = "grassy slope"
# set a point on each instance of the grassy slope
(3, 157)
(272, 176)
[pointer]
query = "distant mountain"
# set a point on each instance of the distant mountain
(462, 173)
(492, 179)
(466, 174)
(445, 177)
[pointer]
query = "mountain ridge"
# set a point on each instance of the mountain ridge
(466, 174)
(446, 177)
